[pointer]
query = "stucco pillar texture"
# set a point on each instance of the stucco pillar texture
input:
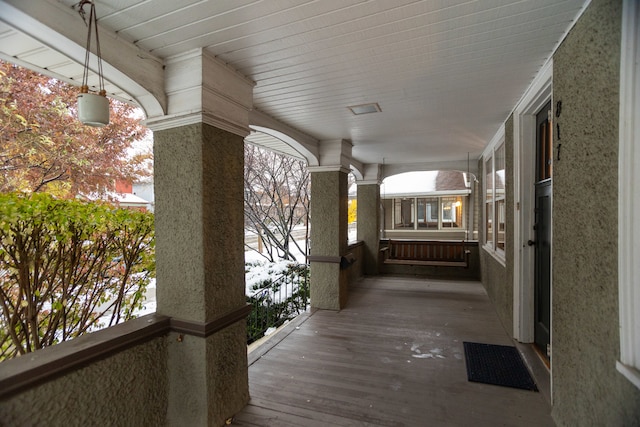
(200, 268)
(328, 238)
(587, 389)
(369, 225)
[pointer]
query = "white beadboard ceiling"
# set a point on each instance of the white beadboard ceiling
(445, 73)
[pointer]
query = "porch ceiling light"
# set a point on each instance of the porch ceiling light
(93, 109)
(365, 109)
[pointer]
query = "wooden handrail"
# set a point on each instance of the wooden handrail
(44, 365)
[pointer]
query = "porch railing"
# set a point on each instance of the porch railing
(278, 301)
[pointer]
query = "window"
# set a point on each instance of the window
(488, 201)
(452, 212)
(403, 213)
(499, 196)
(494, 199)
(428, 213)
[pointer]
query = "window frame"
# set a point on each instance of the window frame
(427, 205)
(499, 199)
(491, 200)
(415, 206)
(398, 207)
(488, 202)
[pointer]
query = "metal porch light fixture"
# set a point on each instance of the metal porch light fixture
(93, 109)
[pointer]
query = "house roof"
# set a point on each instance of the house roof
(414, 184)
(129, 199)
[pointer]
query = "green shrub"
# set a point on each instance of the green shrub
(66, 264)
(278, 299)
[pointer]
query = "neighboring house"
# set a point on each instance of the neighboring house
(144, 190)
(124, 197)
(427, 205)
(430, 205)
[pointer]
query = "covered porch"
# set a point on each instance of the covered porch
(372, 353)
(393, 356)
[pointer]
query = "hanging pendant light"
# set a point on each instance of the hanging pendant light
(93, 109)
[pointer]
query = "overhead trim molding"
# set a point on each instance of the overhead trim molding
(177, 120)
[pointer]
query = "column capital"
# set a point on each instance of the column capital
(335, 154)
(201, 89)
(335, 168)
(190, 118)
(372, 174)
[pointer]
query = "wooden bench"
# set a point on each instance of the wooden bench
(427, 252)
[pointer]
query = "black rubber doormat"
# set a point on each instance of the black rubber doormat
(497, 364)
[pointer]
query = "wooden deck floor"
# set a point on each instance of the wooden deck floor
(393, 357)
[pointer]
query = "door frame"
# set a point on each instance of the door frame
(524, 137)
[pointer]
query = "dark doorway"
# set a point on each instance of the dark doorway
(542, 230)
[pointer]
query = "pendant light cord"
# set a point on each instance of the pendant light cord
(91, 23)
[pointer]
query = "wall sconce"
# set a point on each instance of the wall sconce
(93, 109)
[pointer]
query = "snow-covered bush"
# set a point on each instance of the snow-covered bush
(278, 292)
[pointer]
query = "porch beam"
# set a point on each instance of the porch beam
(135, 71)
(454, 165)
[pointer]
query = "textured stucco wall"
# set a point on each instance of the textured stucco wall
(218, 376)
(369, 225)
(329, 238)
(497, 276)
(387, 207)
(587, 389)
(494, 279)
(127, 389)
(199, 221)
(355, 270)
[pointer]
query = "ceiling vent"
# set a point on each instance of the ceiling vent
(365, 109)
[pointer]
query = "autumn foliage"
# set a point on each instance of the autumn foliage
(68, 267)
(43, 146)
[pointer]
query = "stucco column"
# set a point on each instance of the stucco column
(369, 225)
(329, 216)
(200, 269)
(198, 178)
(369, 216)
(328, 239)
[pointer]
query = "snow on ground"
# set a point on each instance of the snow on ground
(262, 271)
(150, 303)
(258, 269)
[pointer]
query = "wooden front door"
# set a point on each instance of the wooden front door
(542, 230)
